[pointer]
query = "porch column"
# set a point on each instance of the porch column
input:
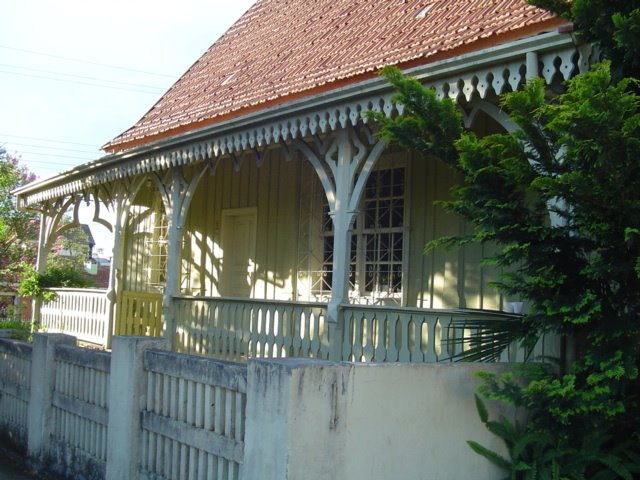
(176, 193)
(114, 288)
(175, 222)
(41, 266)
(342, 216)
(343, 163)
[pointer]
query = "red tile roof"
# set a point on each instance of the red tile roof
(283, 49)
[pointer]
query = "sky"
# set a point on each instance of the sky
(76, 73)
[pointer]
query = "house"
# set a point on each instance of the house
(76, 242)
(257, 214)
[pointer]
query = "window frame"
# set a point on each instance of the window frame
(357, 281)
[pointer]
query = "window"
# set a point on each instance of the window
(146, 249)
(156, 246)
(383, 233)
(377, 240)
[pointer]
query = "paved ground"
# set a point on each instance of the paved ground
(12, 467)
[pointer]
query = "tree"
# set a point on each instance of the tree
(19, 240)
(573, 159)
(18, 230)
(613, 24)
(65, 266)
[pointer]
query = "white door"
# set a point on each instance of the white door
(238, 246)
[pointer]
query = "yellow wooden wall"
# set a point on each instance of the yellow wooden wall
(286, 246)
(442, 278)
(271, 188)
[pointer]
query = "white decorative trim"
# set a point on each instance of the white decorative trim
(498, 70)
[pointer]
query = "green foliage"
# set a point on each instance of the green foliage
(429, 126)
(18, 230)
(36, 285)
(70, 250)
(15, 325)
(561, 200)
(539, 453)
(613, 24)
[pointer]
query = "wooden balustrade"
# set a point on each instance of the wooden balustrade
(416, 335)
(236, 329)
(81, 312)
(139, 313)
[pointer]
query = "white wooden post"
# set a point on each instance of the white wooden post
(176, 193)
(41, 265)
(43, 376)
(342, 217)
(343, 180)
(174, 253)
(127, 390)
(114, 288)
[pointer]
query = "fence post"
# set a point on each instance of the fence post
(127, 391)
(43, 376)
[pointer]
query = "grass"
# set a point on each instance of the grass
(21, 330)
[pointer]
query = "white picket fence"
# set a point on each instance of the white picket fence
(144, 413)
(81, 312)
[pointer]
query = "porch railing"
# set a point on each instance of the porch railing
(81, 312)
(236, 329)
(394, 334)
(139, 313)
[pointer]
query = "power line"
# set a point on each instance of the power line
(88, 62)
(52, 148)
(85, 159)
(48, 140)
(54, 165)
(77, 82)
(138, 85)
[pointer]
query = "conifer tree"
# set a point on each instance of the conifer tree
(561, 200)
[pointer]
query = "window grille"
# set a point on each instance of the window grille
(377, 240)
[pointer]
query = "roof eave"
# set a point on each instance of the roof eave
(472, 60)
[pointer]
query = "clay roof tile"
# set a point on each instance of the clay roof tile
(281, 48)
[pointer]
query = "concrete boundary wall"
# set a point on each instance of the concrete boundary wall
(321, 420)
(142, 412)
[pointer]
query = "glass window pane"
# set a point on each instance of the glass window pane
(371, 188)
(370, 209)
(385, 183)
(397, 213)
(398, 182)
